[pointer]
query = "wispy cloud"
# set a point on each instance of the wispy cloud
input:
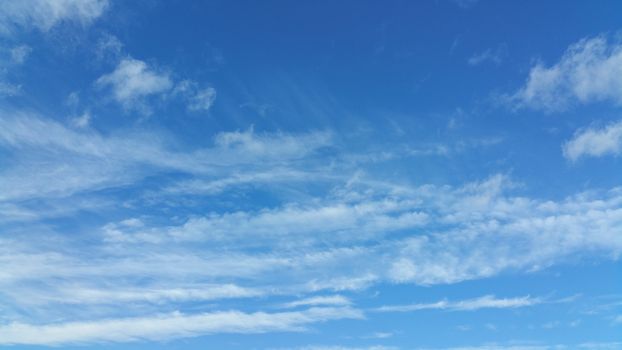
(136, 85)
(74, 157)
(161, 327)
(133, 80)
(589, 71)
(197, 99)
(595, 142)
(20, 53)
(319, 300)
(495, 56)
(44, 14)
(11, 58)
(352, 231)
(89, 294)
(484, 302)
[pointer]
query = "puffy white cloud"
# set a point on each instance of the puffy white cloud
(595, 142)
(589, 71)
(133, 80)
(44, 14)
(202, 100)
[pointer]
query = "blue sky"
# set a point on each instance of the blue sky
(318, 175)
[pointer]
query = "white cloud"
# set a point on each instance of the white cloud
(44, 14)
(484, 302)
(94, 295)
(202, 100)
(349, 232)
(78, 160)
(319, 300)
(595, 142)
(335, 222)
(486, 232)
(167, 326)
(133, 80)
(589, 71)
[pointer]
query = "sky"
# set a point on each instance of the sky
(311, 175)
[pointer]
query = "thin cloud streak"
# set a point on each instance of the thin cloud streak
(484, 302)
(162, 327)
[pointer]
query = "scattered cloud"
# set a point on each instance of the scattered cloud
(352, 231)
(133, 80)
(197, 99)
(595, 142)
(589, 71)
(44, 14)
(129, 233)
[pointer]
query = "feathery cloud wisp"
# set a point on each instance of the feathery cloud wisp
(595, 142)
(589, 71)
